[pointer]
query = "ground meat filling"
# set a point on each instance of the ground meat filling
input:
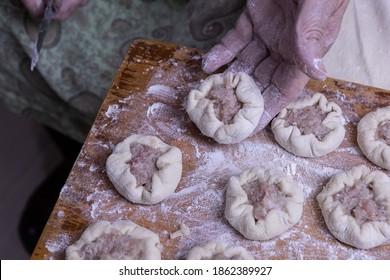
(143, 164)
(383, 132)
(222, 256)
(308, 120)
(112, 246)
(264, 197)
(360, 202)
(226, 105)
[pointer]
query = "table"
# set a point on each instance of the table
(147, 96)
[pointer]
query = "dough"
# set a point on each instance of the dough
(356, 207)
(184, 230)
(226, 107)
(144, 169)
(373, 136)
(262, 204)
(120, 240)
(365, 30)
(218, 250)
(311, 127)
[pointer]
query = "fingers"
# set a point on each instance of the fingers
(231, 45)
(249, 58)
(67, 8)
(286, 85)
(317, 26)
(310, 43)
(311, 62)
(265, 71)
(34, 7)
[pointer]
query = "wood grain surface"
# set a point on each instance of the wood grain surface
(148, 97)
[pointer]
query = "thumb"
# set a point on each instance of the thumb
(317, 26)
(310, 59)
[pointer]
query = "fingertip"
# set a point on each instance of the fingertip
(314, 68)
(319, 70)
(208, 64)
(321, 78)
(216, 58)
(316, 75)
(210, 60)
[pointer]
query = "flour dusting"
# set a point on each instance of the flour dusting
(199, 200)
(59, 244)
(60, 214)
(112, 109)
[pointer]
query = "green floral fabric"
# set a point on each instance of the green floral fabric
(80, 56)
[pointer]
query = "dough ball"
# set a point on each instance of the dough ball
(356, 207)
(144, 169)
(373, 136)
(310, 127)
(226, 107)
(120, 240)
(218, 250)
(262, 204)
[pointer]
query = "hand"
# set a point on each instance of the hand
(280, 43)
(36, 8)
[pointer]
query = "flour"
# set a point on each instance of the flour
(160, 90)
(211, 60)
(197, 57)
(199, 200)
(60, 214)
(291, 169)
(153, 109)
(81, 163)
(59, 244)
(93, 167)
(341, 96)
(309, 175)
(94, 208)
(101, 200)
(319, 64)
(101, 144)
(351, 150)
(64, 189)
(112, 110)
(351, 85)
(197, 153)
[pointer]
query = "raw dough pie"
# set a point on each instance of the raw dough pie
(144, 169)
(226, 107)
(356, 207)
(373, 136)
(218, 250)
(262, 204)
(311, 127)
(120, 240)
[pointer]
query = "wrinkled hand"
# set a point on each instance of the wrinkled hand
(280, 43)
(36, 8)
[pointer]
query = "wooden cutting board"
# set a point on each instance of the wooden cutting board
(148, 97)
